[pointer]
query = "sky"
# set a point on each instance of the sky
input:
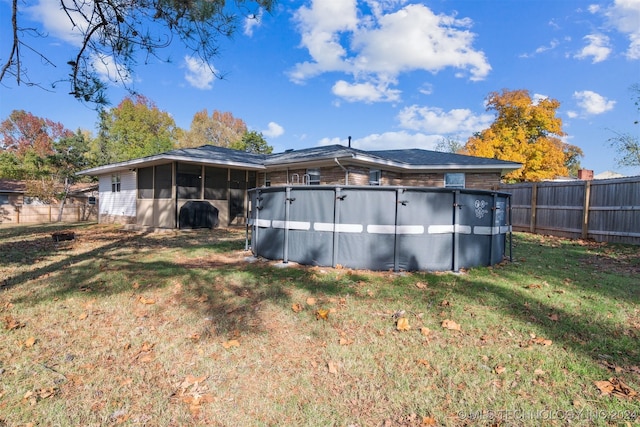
(389, 73)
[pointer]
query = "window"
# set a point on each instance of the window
(145, 183)
(162, 181)
(267, 180)
(4, 199)
(189, 181)
(313, 176)
(115, 183)
(454, 180)
(374, 176)
(215, 183)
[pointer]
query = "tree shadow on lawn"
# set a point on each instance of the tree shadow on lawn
(581, 331)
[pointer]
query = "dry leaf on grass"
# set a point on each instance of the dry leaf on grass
(296, 307)
(345, 341)
(311, 301)
(429, 421)
(499, 369)
(425, 331)
(322, 314)
(616, 387)
(29, 342)
(403, 324)
(11, 323)
(231, 343)
(421, 285)
(554, 317)
(332, 367)
(146, 301)
(450, 324)
(83, 315)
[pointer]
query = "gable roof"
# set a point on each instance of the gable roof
(12, 186)
(416, 160)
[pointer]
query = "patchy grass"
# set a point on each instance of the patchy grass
(178, 328)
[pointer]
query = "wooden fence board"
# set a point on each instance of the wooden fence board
(603, 210)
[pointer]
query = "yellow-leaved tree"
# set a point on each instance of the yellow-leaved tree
(528, 132)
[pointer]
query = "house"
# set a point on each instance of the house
(16, 207)
(151, 191)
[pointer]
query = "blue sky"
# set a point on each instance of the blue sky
(389, 73)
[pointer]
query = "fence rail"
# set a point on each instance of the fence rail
(603, 210)
(38, 214)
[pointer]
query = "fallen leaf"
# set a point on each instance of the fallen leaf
(322, 314)
(332, 368)
(146, 301)
(425, 331)
(445, 303)
(345, 341)
(12, 323)
(203, 298)
(499, 369)
(403, 324)
(424, 362)
(311, 301)
(429, 421)
(30, 342)
(231, 343)
(616, 387)
(554, 317)
(136, 285)
(539, 372)
(450, 324)
(83, 316)
(296, 307)
(421, 285)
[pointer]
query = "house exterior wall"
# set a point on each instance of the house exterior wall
(118, 207)
(360, 176)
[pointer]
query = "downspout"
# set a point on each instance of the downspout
(346, 172)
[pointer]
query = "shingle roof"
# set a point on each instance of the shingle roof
(402, 159)
(12, 186)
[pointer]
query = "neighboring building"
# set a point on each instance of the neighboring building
(151, 191)
(18, 208)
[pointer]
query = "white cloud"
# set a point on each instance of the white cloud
(108, 70)
(624, 15)
(459, 121)
(593, 103)
(367, 92)
(537, 97)
(199, 74)
(273, 130)
(597, 48)
(387, 141)
(377, 47)
(251, 22)
(56, 22)
(572, 114)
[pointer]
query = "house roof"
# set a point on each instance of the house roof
(207, 154)
(407, 159)
(402, 160)
(12, 186)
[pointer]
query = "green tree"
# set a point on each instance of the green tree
(626, 144)
(253, 142)
(526, 132)
(221, 129)
(135, 128)
(124, 32)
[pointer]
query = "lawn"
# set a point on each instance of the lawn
(179, 328)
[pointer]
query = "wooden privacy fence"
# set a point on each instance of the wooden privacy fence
(38, 214)
(602, 210)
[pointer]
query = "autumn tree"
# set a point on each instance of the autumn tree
(449, 145)
(627, 144)
(221, 129)
(135, 128)
(527, 132)
(117, 35)
(253, 142)
(43, 153)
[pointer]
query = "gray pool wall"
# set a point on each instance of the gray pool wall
(380, 228)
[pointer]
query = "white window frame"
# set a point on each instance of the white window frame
(452, 180)
(375, 176)
(116, 183)
(313, 176)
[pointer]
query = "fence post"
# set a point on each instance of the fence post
(534, 203)
(585, 209)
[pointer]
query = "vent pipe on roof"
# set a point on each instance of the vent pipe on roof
(349, 141)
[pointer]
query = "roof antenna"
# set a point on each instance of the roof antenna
(349, 141)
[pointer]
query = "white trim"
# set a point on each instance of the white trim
(339, 228)
(291, 225)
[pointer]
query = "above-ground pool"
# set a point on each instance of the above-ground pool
(380, 228)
